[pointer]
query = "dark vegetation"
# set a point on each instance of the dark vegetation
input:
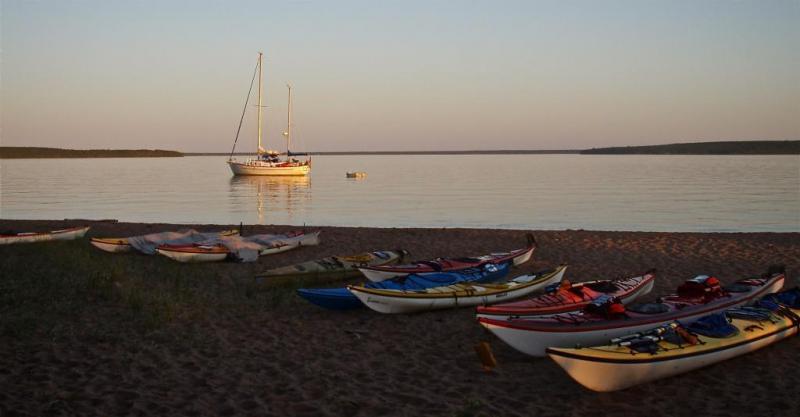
(58, 289)
(9, 152)
(758, 147)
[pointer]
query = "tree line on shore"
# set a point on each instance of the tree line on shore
(758, 147)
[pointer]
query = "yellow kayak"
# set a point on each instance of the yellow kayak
(674, 349)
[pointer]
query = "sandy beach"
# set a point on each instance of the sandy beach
(90, 333)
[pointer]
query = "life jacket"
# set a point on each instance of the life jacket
(606, 306)
(701, 286)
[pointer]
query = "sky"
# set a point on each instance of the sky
(398, 75)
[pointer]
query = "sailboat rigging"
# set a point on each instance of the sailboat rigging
(269, 162)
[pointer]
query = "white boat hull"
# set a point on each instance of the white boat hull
(192, 257)
(400, 304)
(525, 257)
(66, 234)
(535, 342)
(378, 276)
(111, 247)
(266, 168)
(308, 239)
(604, 376)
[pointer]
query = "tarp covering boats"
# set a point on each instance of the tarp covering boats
(151, 241)
(240, 248)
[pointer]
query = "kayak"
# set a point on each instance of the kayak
(380, 273)
(343, 299)
(572, 297)
(122, 245)
(112, 244)
(606, 318)
(291, 241)
(333, 267)
(29, 237)
(194, 253)
(462, 294)
(677, 348)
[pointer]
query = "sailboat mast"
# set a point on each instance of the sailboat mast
(289, 120)
(260, 54)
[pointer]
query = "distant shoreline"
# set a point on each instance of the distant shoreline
(21, 152)
(759, 147)
(774, 147)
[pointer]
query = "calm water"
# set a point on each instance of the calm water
(651, 193)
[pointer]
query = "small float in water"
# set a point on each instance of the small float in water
(356, 174)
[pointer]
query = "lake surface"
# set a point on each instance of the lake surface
(602, 192)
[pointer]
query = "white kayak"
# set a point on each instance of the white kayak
(391, 301)
(194, 253)
(112, 244)
(64, 234)
(292, 241)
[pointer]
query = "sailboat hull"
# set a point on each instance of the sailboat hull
(268, 168)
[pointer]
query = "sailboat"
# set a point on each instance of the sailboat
(270, 162)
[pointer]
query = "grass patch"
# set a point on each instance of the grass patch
(63, 288)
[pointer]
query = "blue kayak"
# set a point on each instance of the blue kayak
(342, 299)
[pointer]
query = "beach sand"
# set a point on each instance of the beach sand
(230, 348)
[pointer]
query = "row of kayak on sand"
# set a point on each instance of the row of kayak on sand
(188, 246)
(594, 330)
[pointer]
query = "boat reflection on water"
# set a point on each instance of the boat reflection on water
(277, 198)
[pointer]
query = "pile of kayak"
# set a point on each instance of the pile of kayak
(427, 285)
(681, 345)
(607, 343)
(191, 246)
(595, 330)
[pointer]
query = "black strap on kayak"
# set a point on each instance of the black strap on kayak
(433, 264)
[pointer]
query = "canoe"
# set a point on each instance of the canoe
(572, 297)
(343, 299)
(667, 351)
(29, 237)
(607, 318)
(293, 240)
(393, 301)
(121, 245)
(380, 273)
(194, 253)
(333, 267)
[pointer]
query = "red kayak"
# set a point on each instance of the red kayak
(382, 273)
(573, 297)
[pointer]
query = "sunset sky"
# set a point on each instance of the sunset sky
(405, 75)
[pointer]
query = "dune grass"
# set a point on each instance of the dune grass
(54, 288)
